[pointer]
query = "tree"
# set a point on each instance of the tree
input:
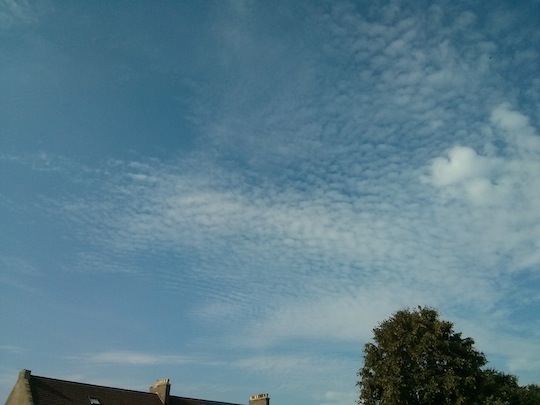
(416, 358)
(529, 394)
(502, 389)
(499, 388)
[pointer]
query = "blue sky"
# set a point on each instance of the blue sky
(233, 194)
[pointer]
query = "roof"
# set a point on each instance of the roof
(47, 391)
(59, 392)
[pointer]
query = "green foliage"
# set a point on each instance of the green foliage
(503, 389)
(499, 388)
(529, 395)
(418, 359)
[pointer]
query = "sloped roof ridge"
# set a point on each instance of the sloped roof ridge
(91, 385)
(118, 389)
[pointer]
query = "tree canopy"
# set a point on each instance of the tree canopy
(417, 358)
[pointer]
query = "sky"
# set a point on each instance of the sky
(233, 194)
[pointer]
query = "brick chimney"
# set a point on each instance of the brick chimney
(260, 399)
(162, 388)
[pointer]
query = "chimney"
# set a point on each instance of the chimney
(260, 399)
(162, 388)
(21, 392)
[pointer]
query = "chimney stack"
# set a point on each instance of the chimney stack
(260, 399)
(162, 388)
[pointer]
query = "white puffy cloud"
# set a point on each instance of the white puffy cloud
(461, 164)
(504, 175)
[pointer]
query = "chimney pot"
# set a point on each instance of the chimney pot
(259, 399)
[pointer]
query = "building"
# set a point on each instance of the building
(34, 390)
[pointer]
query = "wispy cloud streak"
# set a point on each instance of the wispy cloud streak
(133, 358)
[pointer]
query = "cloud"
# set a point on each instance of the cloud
(322, 257)
(523, 138)
(19, 273)
(133, 358)
(340, 317)
(461, 164)
(12, 349)
(463, 172)
(498, 339)
(288, 371)
(362, 160)
(14, 12)
(503, 180)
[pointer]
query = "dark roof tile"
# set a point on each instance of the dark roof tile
(48, 391)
